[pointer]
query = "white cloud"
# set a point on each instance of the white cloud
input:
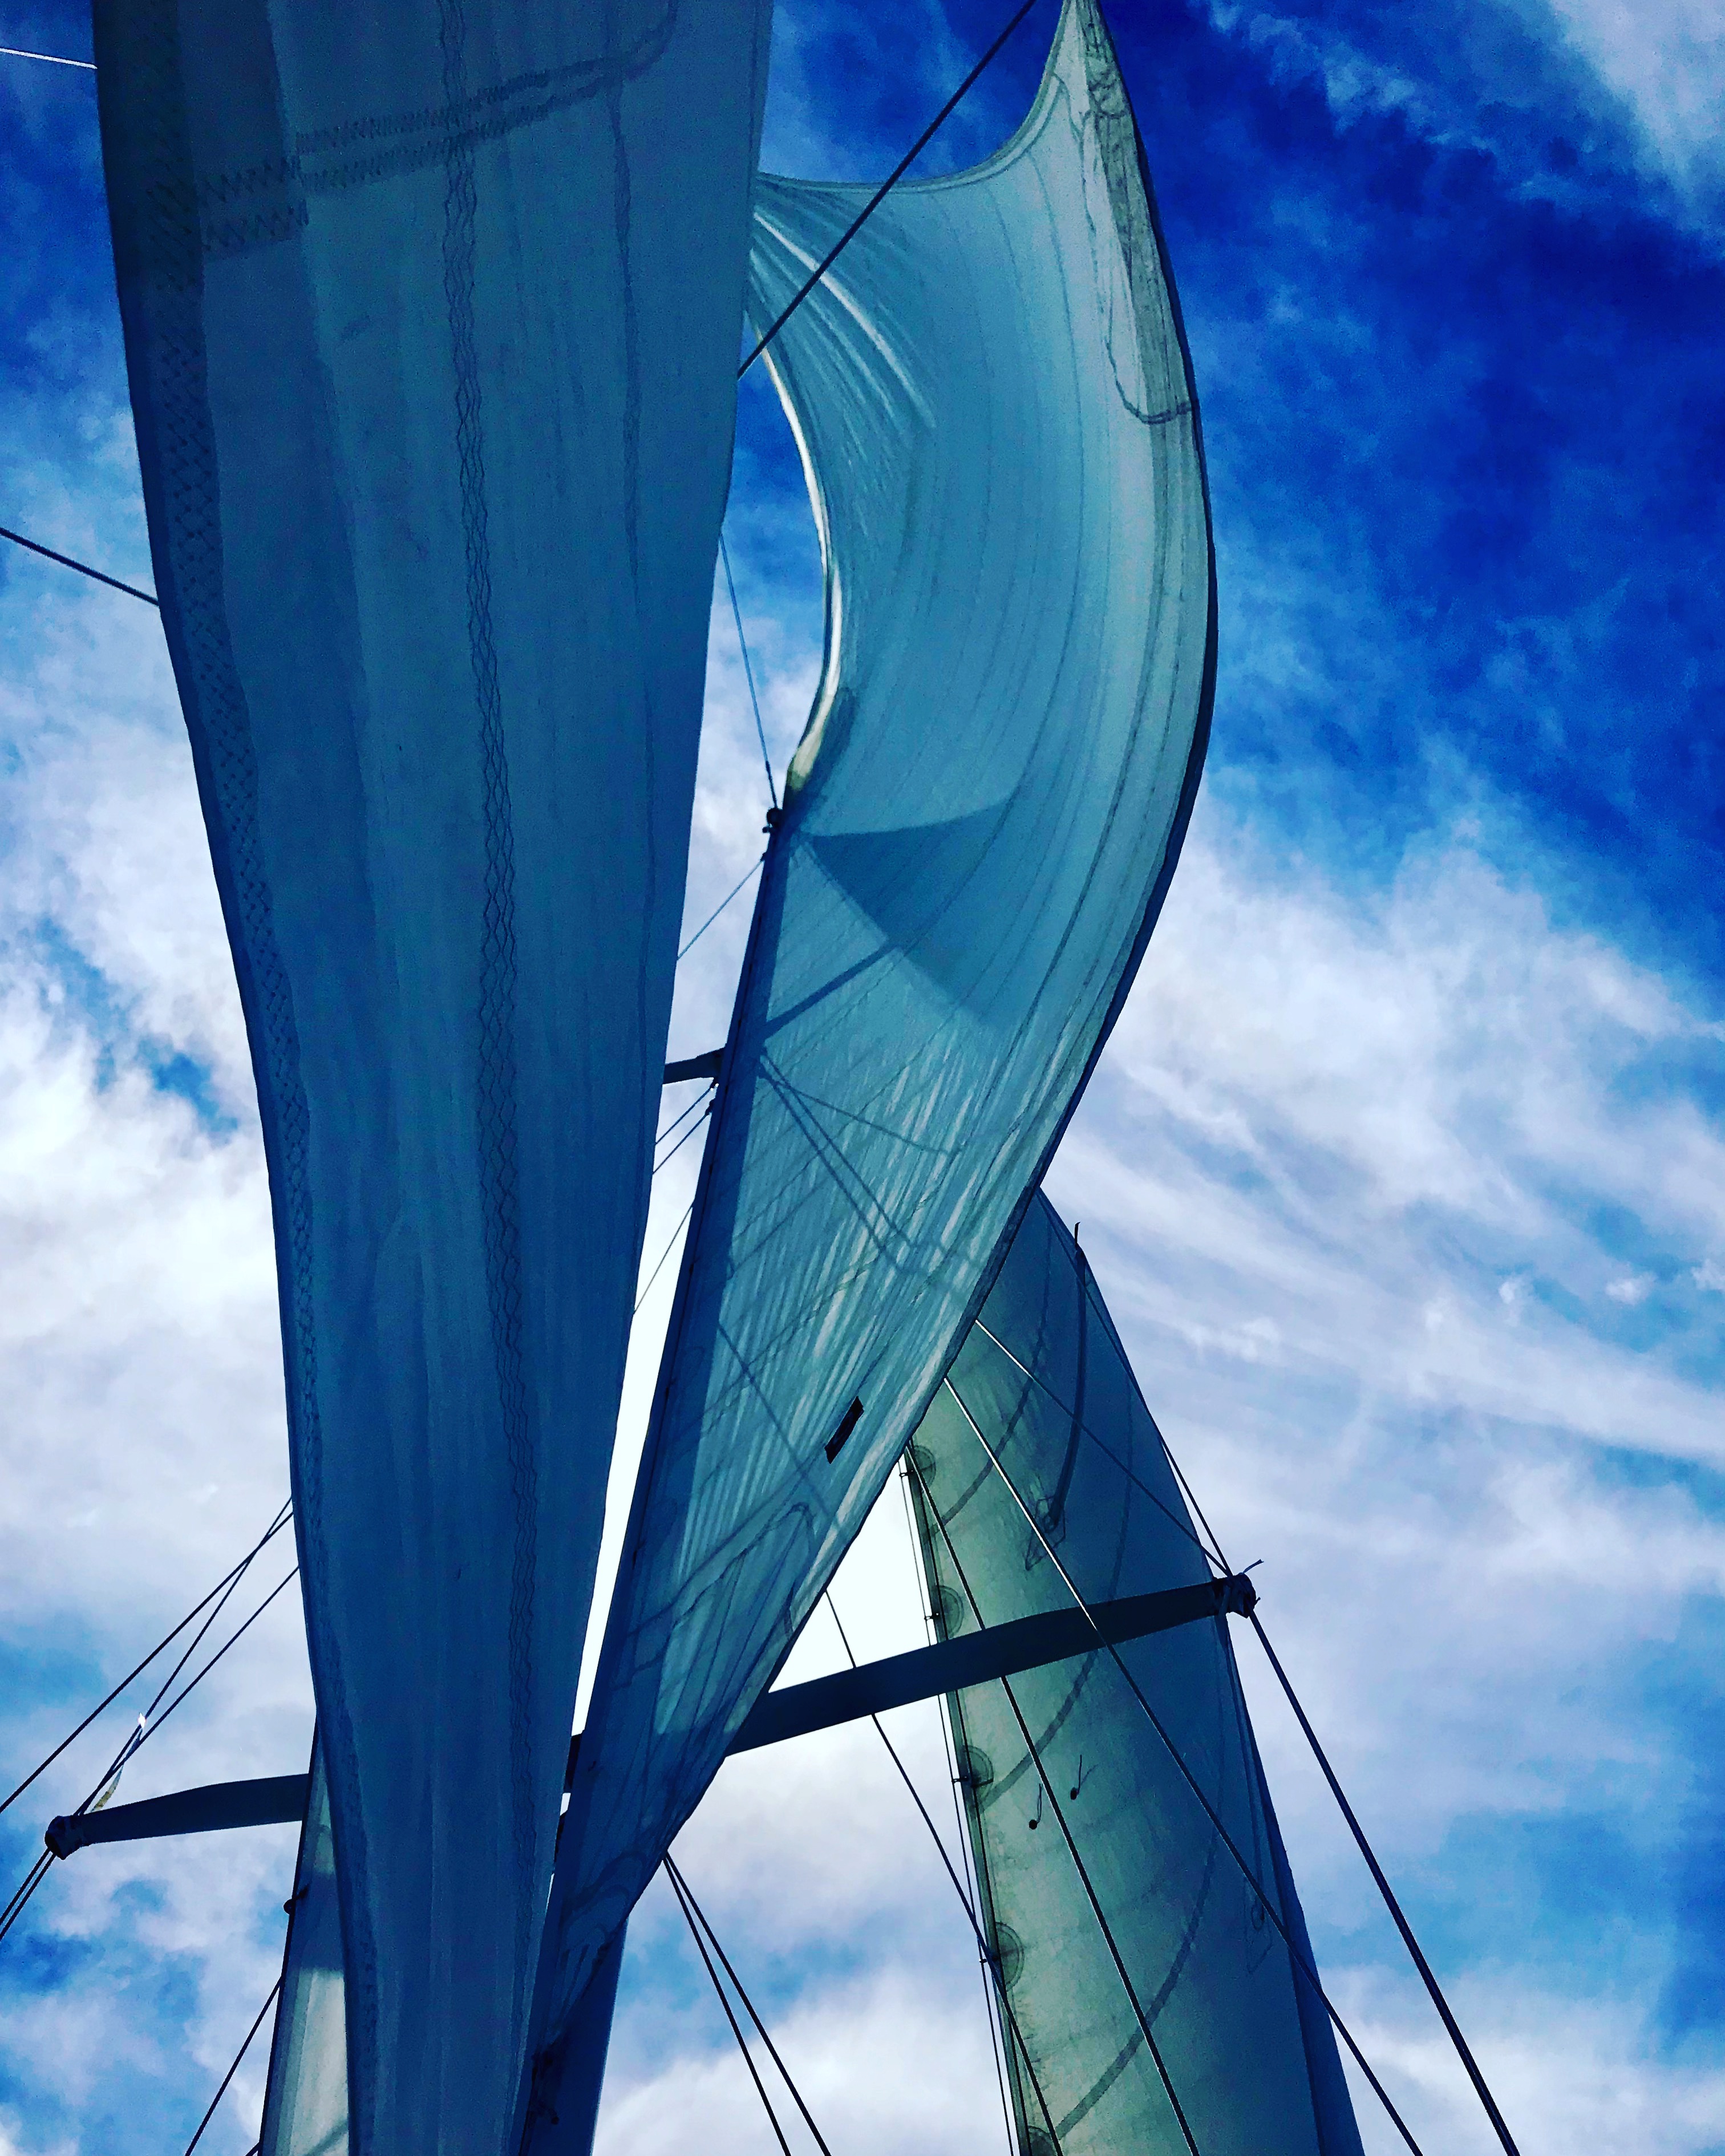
(1667, 59)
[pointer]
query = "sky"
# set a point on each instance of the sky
(1403, 1175)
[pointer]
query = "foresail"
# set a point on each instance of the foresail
(1122, 1926)
(431, 315)
(305, 2096)
(996, 412)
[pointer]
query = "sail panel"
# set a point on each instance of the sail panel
(305, 2096)
(995, 408)
(432, 318)
(1112, 1905)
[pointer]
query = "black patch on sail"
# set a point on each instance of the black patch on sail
(852, 1416)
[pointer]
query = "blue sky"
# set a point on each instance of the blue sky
(1404, 1175)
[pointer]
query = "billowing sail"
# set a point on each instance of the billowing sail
(305, 2096)
(1138, 1966)
(996, 410)
(431, 315)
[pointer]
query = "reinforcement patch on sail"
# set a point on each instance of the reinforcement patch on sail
(996, 411)
(431, 315)
(1132, 1955)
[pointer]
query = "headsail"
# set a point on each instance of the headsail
(432, 316)
(995, 407)
(1129, 1943)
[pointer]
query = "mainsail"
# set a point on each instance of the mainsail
(431, 317)
(995, 408)
(1138, 1966)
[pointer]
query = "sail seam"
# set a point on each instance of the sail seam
(497, 1076)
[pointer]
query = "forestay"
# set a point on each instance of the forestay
(431, 315)
(1118, 1917)
(996, 412)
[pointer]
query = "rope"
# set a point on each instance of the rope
(683, 1888)
(1210, 1812)
(885, 188)
(715, 914)
(235, 2068)
(747, 670)
(280, 1521)
(748, 2058)
(66, 560)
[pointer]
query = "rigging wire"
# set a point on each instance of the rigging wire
(1300, 1959)
(997, 2028)
(886, 187)
(715, 914)
(990, 1964)
(1416, 1955)
(681, 1142)
(699, 1101)
(1390, 1902)
(54, 59)
(27, 1888)
(748, 669)
(232, 1641)
(1101, 1443)
(662, 1256)
(1046, 1786)
(136, 1736)
(748, 2056)
(235, 2068)
(21, 1893)
(687, 1892)
(68, 561)
(280, 1521)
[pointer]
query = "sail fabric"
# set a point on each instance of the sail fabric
(995, 408)
(1115, 1915)
(431, 315)
(305, 2095)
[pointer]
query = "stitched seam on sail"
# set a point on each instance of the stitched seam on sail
(496, 1096)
